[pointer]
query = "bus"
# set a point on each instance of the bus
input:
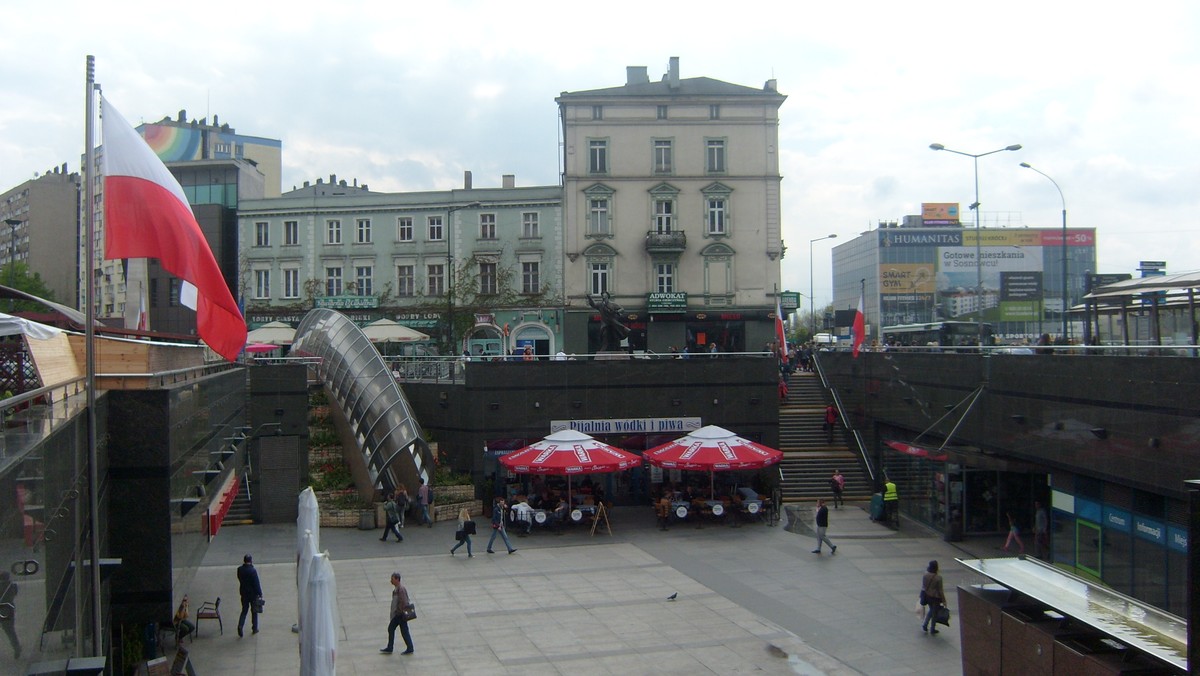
(942, 334)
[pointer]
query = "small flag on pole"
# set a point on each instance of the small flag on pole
(860, 328)
(146, 215)
(780, 334)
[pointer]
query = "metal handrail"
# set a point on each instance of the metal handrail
(859, 443)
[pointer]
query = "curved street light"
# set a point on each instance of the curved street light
(812, 313)
(1066, 289)
(975, 207)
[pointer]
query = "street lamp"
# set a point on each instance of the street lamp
(1066, 289)
(450, 273)
(975, 207)
(12, 223)
(812, 312)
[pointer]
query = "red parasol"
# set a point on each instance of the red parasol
(569, 452)
(714, 449)
(257, 348)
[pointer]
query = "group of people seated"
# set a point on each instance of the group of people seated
(521, 513)
(701, 500)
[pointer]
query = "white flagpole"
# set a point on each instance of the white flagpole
(90, 336)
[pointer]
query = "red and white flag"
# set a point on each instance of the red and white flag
(780, 334)
(146, 215)
(859, 330)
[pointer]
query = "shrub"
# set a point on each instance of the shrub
(328, 476)
(444, 476)
(322, 436)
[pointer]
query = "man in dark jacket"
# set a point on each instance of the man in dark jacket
(251, 591)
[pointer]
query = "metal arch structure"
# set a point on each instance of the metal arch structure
(389, 437)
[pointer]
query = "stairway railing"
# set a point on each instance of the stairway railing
(859, 443)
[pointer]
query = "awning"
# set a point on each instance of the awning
(1129, 287)
(970, 456)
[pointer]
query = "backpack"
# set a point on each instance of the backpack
(429, 494)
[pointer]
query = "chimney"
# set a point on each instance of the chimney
(215, 123)
(508, 180)
(771, 86)
(466, 180)
(636, 75)
(333, 179)
(182, 116)
(673, 73)
(306, 184)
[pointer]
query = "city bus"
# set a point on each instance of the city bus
(942, 334)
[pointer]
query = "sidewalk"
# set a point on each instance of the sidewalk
(750, 599)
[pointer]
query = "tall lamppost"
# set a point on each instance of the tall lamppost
(12, 223)
(450, 272)
(975, 207)
(812, 312)
(1066, 288)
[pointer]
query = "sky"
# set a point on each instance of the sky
(406, 96)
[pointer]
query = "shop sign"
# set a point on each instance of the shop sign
(1177, 539)
(347, 302)
(789, 301)
(1149, 529)
(666, 302)
(628, 425)
(1117, 519)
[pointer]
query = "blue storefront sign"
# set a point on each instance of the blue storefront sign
(1177, 539)
(1086, 509)
(1149, 529)
(1117, 519)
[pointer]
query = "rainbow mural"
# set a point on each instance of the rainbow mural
(172, 144)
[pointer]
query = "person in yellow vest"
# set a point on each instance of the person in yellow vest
(891, 502)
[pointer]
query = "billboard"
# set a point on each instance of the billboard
(939, 213)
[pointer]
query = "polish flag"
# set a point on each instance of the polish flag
(147, 216)
(780, 334)
(859, 330)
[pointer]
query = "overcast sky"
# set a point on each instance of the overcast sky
(405, 96)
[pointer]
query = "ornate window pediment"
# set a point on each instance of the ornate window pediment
(664, 190)
(717, 249)
(599, 250)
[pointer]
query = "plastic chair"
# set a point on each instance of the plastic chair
(210, 610)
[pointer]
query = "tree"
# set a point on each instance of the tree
(17, 276)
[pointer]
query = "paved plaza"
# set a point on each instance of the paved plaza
(752, 599)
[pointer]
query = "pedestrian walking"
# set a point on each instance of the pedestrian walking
(8, 611)
(837, 483)
(822, 521)
(466, 528)
(830, 422)
(498, 508)
(250, 591)
(423, 497)
(1041, 531)
(400, 612)
(402, 503)
(392, 515)
(933, 596)
(1014, 533)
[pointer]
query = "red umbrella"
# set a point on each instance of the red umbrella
(714, 449)
(255, 348)
(569, 452)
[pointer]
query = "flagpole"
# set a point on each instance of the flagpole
(89, 350)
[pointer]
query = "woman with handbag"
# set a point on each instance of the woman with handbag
(934, 595)
(402, 612)
(466, 528)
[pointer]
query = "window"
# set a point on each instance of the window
(333, 281)
(598, 156)
(363, 231)
(363, 275)
(406, 281)
(716, 215)
(597, 112)
(291, 233)
(436, 279)
(662, 156)
(662, 112)
(333, 232)
(664, 277)
(173, 299)
(404, 229)
(487, 226)
(262, 284)
(262, 234)
(529, 225)
(598, 223)
(530, 277)
(598, 282)
(714, 111)
(664, 212)
(714, 156)
(487, 279)
(435, 229)
(291, 283)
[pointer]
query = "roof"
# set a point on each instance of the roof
(1128, 287)
(695, 86)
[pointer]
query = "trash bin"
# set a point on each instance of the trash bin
(877, 507)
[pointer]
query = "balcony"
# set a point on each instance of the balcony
(666, 242)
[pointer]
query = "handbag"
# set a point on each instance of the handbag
(469, 527)
(408, 613)
(943, 616)
(924, 598)
(259, 604)
(460, 535)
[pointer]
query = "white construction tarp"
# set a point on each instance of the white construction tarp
(19, 326)
(319, 632)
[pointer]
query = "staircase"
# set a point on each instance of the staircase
(239, 511)
(809, 458)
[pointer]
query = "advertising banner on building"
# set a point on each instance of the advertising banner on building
(1020, 296)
